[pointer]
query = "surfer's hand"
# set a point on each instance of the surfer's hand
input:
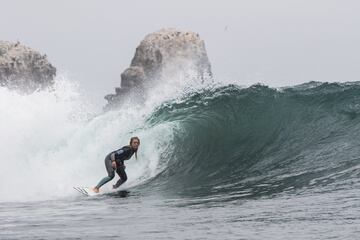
(113, 164)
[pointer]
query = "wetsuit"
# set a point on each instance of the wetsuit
(119, 156)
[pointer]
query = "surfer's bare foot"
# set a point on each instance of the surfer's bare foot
(96, 190)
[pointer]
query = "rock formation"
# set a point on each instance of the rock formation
(24, 68)
(162, 54)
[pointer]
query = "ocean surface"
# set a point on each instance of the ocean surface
(220, 161)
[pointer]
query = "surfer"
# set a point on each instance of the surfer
(114, 161)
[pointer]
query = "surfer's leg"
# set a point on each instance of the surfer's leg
(109, 177)
(122, 174)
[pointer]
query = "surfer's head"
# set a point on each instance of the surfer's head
(134, 144)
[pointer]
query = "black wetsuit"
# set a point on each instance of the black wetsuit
(120, 155)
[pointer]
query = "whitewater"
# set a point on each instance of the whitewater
(216, 161)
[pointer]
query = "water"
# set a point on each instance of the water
(214, 162)
(150, 216)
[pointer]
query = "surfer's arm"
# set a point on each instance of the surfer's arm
(114, 156)
(113, 162)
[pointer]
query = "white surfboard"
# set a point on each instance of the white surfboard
(85, 191)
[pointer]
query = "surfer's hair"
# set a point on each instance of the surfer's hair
(131, 140)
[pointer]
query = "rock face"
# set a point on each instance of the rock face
(24, 68)
(162, 54)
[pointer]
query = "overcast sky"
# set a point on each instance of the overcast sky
(276, 42)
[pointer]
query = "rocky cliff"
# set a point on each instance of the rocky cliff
(24, 68)
(160, 55)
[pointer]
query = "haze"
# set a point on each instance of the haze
(278, 42)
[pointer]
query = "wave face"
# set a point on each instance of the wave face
(259, 141)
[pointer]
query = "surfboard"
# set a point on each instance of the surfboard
(85, 191)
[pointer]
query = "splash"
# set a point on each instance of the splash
(52, 140)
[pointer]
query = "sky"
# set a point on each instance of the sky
(277, 43)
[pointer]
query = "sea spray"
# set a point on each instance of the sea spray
(53, 140)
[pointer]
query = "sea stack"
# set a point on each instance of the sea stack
(23, 68)
(160, 55)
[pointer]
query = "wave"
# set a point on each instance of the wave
(259, 141)
(225, 141)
